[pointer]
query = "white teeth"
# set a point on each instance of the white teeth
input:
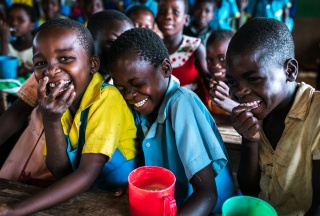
(141, 103)
(63, 82)
(252, 105)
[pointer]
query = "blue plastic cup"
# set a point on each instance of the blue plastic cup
(247, 206)
(8, 67)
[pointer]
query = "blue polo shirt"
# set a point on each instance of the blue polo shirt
(185, 139)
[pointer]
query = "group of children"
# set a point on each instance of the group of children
(93, 133)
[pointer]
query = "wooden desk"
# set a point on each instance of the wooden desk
(89, 203)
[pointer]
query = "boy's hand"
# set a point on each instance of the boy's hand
(55, 102)
(245, 123)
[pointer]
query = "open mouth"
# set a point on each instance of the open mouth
(252, 105)
(141, 103)
(53, 85)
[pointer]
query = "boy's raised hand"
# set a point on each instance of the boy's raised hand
(55, 102)
(245, 123)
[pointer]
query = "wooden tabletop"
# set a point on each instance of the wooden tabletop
(89, 203)
(228, 133)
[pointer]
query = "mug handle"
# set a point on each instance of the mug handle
(170, 206)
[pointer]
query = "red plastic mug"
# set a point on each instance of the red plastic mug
(151, 192)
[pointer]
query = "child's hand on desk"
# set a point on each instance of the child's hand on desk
(54, 100)
(245, 123)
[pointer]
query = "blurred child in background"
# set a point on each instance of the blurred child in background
(51, 9)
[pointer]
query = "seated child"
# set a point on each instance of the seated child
(151, 4)
(278, 119)
(199, 26)
(187, 54)
(105, 26)
(142, 16)
(91, 7)
(216, 49)
(82, 117)
(176, 129)
(23, 32)
(51, 9)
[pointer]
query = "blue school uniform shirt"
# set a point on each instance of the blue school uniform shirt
(273, 9)
(185, 139)
(223, 16)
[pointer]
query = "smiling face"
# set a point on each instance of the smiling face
(142, 86)
(216, 57)
(260, 84)
(104, 38)
(51, 8)
(203, 14)
(58, 55)
(20, 21)
(171, 17)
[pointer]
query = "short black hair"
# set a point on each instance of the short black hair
(104, 18)
(141, 41)
(198, 2)
(219, 35)
(267, 34)
(83, 34)
(29, 10)
(134, 9)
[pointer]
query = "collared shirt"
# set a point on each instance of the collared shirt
(185, 139)
(286, 172)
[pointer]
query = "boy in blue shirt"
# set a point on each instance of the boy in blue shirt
(176, 129)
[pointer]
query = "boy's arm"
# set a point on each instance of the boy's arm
(78, 181)
(249, 171)
(13, 119)
(315, 207)
(5, 37)
(52, 109)
(204, 196)
(201, 65)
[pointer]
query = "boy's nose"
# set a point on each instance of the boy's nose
(130, 94)
(51, 70)
(241, 91)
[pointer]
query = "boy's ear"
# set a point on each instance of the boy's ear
(166, 68)
(187, 19)
(95, 64)
(292, 69)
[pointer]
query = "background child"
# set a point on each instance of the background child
(151, 4)
(277, 118)
(51, 9)
(203, 14)
(142, 16)
(80, 115)
(105, 27)
(216, 49)
(22, 19)
(187, 54)
(225, 14)
(177, 130)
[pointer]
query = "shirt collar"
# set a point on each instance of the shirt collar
(302, 101)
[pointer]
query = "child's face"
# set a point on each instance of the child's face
(93, 6)
(104, 39)
(203, 14)
(20, 20)
(142, 86)
(143, 19)
(257, 83)
(171, 17)
(51, 8)
(216, 57)
(58, 55)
